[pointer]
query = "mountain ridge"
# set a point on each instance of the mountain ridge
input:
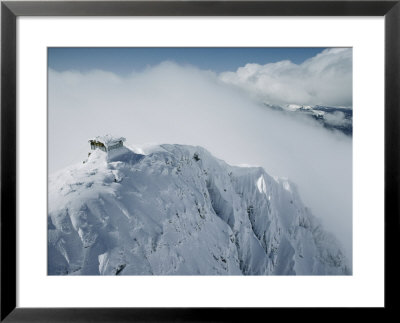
(180, 211)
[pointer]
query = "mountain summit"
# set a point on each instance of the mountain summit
(180, 211)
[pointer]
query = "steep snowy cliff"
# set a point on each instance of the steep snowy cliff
(180, 211)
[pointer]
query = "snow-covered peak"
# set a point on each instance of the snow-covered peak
(180, 211)
(294, 107)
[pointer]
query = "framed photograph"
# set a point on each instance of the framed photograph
(167, 160)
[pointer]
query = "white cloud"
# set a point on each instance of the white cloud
(174, 104)
(336, 118)
(325, 79)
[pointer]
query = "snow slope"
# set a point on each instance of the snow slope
(180, 211)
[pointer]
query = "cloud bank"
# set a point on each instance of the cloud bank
(325, 79)
(169, 103)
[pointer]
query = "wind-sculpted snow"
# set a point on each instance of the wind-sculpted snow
(180, 211)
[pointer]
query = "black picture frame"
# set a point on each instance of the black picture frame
(10, 10)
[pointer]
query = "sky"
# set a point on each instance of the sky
(212, 98)
(123, 61)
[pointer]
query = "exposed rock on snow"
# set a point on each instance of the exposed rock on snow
(181, 211)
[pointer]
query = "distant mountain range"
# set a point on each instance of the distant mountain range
(333, 118)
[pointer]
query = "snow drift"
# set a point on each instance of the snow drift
(178, 210)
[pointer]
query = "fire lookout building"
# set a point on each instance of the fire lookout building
(106, 143)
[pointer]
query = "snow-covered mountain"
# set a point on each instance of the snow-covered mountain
(180, 211)
(333, 118)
